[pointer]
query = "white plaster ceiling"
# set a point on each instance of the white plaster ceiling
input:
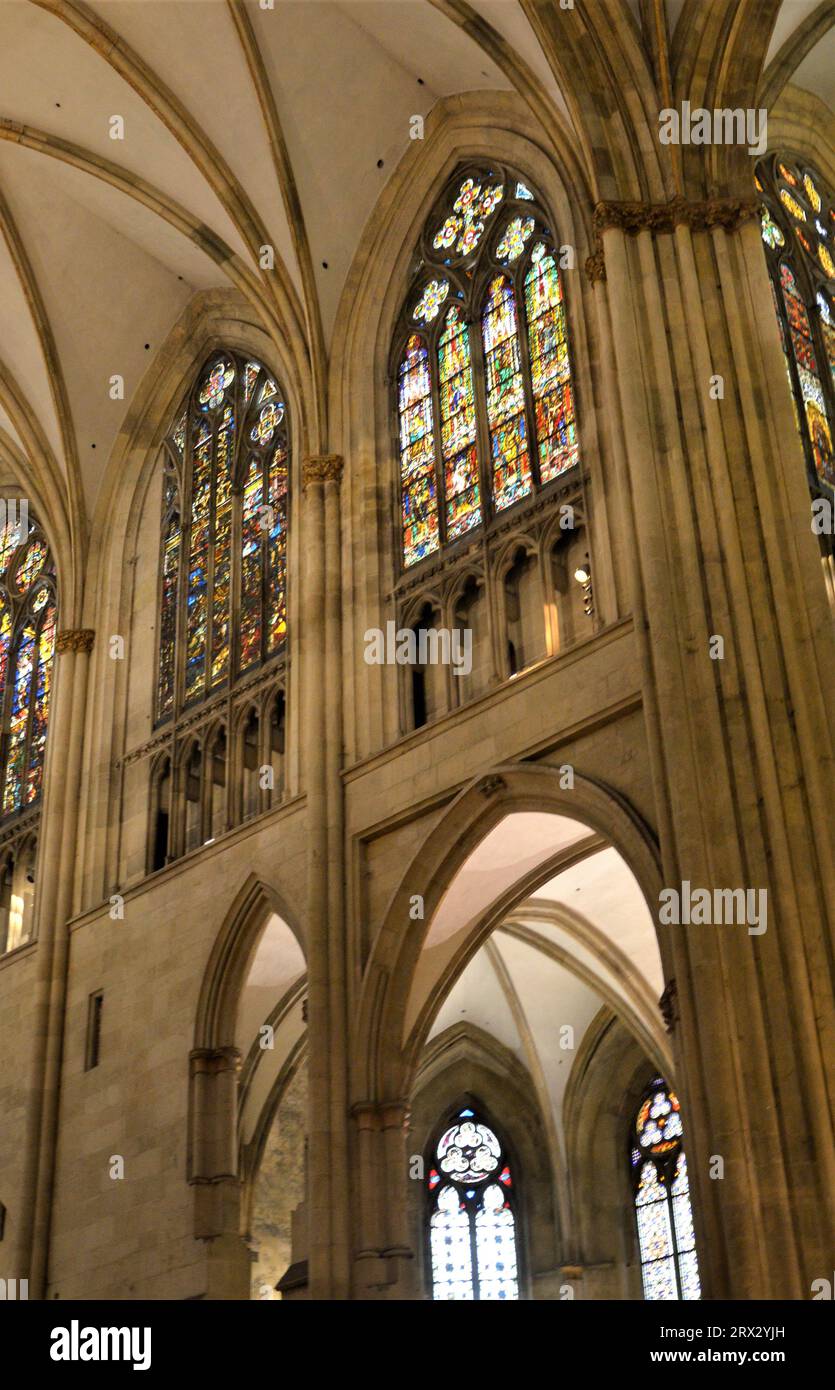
(581, 940)
(816, 72)
(277, 964)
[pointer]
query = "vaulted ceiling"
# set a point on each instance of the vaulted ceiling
(242, 127)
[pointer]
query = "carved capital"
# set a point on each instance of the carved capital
(212, 1061)
(668, 1004)
(632, 218)
(322, 468)
(75, 639)
(595, 265)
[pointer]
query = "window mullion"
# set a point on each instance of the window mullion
(474, 1256)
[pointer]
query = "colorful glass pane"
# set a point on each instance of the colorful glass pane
(658, 1125)
(268, 421)
(826, 261)
(512, 242)
(251, 371)
(277, 552)
(40, 707)
(417, 454)
(179, 435)
(30, 565)
(786, 173)
(811, 192)
(5, 639)
(458, 428)
(168, 613)
(772, 236)
(222, 558)
(201, 567)
(523, 192)
(828, 333)
(510, 462)
(198, 563)
(793, 205)
(811, 391)
(473, 206)
(553, 396)
(214, 387)
(8, 543)
(250, 617)
(430, 301)
(19, 720)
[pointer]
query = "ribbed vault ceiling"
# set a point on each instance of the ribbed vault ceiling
(243, 126)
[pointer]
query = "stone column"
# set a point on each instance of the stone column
(715, 501)
(385, 1262)
(328, 1198)
(56, 866)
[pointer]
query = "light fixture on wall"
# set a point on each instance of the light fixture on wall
(583, 576)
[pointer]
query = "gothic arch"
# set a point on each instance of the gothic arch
(608, 1075)
(387, 1043)
(219, 1165)
(464, 129)
(233, 949)
(463, 1063)
(211, 320)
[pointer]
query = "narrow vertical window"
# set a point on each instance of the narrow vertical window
(419, 500)
(472, 1226)
(556, 433)
(798, 224)
(95, 1005)
(458, 431)
(27, 644)
(509, 458)
(669, 1267)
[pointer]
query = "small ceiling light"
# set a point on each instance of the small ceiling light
(582, 574)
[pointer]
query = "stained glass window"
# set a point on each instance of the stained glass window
(472, 1225)
(798, 226)
(27, 646)
(223, 585)
(485, 401)
(669, 1266)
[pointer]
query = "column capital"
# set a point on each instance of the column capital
(75, 639)
(699, 216)
(322, 468)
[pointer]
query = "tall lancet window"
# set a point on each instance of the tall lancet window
(798, 232)
(28, 614)
(481, 361)
(472, 1226)
(223, 609)
(661, 1188)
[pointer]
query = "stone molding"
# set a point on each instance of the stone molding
(75, 639)
(322, 468)
(729, 213)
